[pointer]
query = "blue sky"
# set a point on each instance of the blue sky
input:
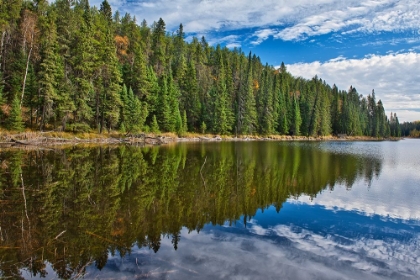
(371, 44)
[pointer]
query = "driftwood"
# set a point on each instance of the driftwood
(215, 138)
(22, 142)
(39, 141)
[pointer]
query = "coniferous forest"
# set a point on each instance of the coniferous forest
(69, 66)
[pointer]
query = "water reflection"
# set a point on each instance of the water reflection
(70, 212)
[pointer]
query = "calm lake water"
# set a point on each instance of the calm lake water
(244, 210)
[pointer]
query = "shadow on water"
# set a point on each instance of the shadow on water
(74, 207)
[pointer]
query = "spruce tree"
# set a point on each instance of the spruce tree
(155, 126)
(163, 110)
(82, 63)
(159, 47)
(297, 118)
(192, 100)
(173, 103)
(124, 112)
(107, 86)
(14, 121)
(267, 118)
(247, 114)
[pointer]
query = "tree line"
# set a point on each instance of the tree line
(411, 129)
(70, 66)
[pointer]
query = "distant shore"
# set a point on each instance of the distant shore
(40, 139)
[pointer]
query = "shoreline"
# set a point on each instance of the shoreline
(50, 139)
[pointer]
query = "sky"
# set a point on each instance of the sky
(370, 44)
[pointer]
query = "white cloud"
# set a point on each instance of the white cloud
(285, 254)
(387, 195)
(298, 19)
(394, 77)
(262, 35)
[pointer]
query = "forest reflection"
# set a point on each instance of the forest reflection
(71, 207)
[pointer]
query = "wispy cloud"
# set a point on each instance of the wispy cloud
(394, 77)
(287, 253)
(262, 35)
(287, 20)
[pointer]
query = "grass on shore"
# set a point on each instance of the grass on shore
(6, 135)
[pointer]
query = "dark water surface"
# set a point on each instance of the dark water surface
(245, 210)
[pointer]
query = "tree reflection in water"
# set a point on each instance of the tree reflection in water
(72, 207)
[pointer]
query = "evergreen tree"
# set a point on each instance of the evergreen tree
(247, 114)
(192, 100)
(107, 86)
(153, 97)
(54, 98)
(222, 115)
(124, 112)
(82, 62)
(166, 122)
(15, 122)
(155, 126)
(175, 119)
(373, 120)
(297, 119)
(139, 80)
(159, 47)
(135, 112)
(267, 118)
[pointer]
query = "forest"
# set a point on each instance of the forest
(69, 66)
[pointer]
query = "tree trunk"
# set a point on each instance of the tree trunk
(24, 79)
(3, 34)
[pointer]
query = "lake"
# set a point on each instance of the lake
(229, 210)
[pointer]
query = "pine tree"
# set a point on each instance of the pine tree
(373, 120)
(297, 119)
(184, 122)
(159, 47)
(247, 114)
(15, 122)
(54, 98)
(174, 121)
(163, 109)
(107, 86)
(192, 100)
(135, 112)
(153, 100)
(267, 118)
(222, 116)
(124, 111)
(139, 80)
(82, 62)
(203, 127)
(155, 126)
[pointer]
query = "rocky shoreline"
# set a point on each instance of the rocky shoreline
(42, 139)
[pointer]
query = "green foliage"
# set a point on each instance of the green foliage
(203, 127)
(247, 114)
(79, 128)
(15, 122)
(79, 58)
(133, 112)
(155, 125)
(183, 124)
